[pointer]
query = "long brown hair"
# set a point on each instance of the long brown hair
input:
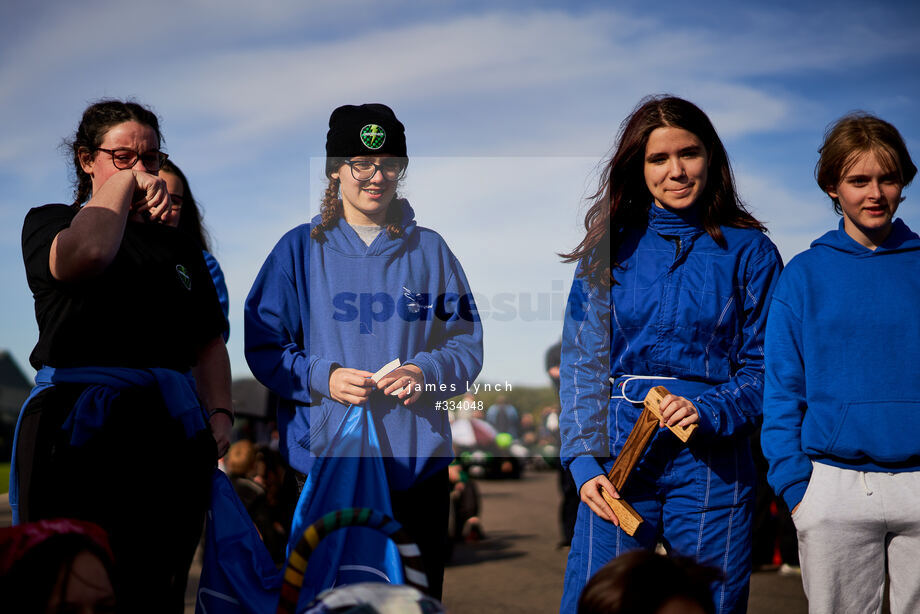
(622, 199)
(331, 207)
(190, 218)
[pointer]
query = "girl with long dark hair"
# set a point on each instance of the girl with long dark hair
(185, 214)
(673, 281)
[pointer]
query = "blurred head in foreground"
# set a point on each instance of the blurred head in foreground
(643, 582)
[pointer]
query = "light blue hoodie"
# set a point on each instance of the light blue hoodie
(843, 360)
(339, 301)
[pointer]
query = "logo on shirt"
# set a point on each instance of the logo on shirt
(184, 277)
(415, 301)
(368, 308)
(373, 136)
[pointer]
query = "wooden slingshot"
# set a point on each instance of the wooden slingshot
(632, 451)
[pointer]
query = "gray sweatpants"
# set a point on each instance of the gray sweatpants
(848, 523)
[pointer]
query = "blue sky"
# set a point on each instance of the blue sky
(509, 108)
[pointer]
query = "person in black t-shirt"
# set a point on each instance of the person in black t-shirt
(127, 313)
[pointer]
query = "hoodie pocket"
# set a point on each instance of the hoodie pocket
(885, 431)
(797, 512)
(321, 425)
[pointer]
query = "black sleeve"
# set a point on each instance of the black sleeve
(41, 226)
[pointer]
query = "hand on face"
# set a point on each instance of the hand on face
(150, 199)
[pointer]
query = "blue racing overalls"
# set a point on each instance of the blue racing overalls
(686, 308)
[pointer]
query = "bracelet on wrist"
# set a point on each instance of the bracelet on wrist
(221, 410)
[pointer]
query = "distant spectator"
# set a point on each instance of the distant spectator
(549, 425)
(240, 463)
(243, 465)
(473, 407)
(643, 582)
(553, 359)
(273, 474)
(504, 417)
(529, 433)
(467, 505)
(568, 506)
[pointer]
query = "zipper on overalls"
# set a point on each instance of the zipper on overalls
(676, 239)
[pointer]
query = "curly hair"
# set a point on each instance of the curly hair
(622, 200)
(97, 120)
(331, 207)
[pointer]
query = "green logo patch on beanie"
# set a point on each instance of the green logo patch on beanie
(373, 136)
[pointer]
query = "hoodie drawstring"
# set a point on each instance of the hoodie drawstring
(865, 483)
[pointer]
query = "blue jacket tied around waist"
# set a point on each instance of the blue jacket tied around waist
(92, 407)
(318, 303)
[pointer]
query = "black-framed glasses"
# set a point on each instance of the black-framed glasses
(393, 169)
(123, 159)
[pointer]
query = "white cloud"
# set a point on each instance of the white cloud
(257, 91)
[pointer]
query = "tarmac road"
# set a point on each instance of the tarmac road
(518, 568)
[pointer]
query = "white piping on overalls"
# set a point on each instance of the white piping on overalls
(616, 411)
(715, 331)
(699, 534)
(630, 378)
(728, 538)
(575, 382)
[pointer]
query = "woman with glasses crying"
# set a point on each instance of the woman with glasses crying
(115, 371)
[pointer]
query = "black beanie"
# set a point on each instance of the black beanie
(365, 130)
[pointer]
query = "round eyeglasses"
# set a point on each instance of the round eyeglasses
(123, 159)
(363, 170)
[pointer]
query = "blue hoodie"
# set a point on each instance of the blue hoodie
(843, 361)
(315, 304)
